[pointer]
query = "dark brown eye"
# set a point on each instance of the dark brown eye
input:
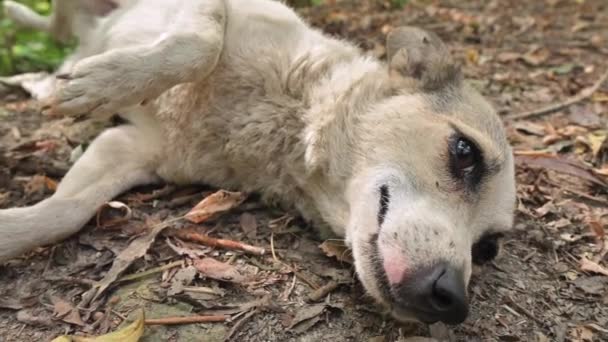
(465, 159)
(465, 155)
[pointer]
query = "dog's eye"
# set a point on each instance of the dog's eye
(465, 157)
(486, 248)
(384, 199)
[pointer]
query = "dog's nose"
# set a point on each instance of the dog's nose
(436, 293)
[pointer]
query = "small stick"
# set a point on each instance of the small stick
(240, 323)
(151, 271)
(322, 291)
(190, 235)
(186, 320)
(584, 94)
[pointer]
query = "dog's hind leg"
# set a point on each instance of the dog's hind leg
(119, 159)
(126, 76)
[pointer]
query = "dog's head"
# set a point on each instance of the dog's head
(433, 184)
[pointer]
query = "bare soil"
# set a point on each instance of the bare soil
(521, 54)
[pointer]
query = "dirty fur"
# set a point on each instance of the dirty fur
(244, 95)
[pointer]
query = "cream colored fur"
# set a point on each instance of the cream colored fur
(242, 94)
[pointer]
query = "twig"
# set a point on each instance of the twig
(292, 269)
(322, 291)
(186, 320)
(151, 271)
(191, 235)
(584, 94)
(526, 312)
(240, 323)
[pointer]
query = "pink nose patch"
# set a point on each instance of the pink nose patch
(394, 264)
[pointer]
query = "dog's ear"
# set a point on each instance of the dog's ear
(418, 59)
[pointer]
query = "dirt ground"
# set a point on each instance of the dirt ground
(550, 282)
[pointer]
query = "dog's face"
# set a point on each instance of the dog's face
(433, 186)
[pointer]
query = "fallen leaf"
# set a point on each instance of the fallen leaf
(218, 270)
(597, 229)
(65, 311)
(46, 145)
(112, 213)
(472, 56)
(136, 249)
(531, 128)
(558, 164)
(182, 278)
(590, 266)
(11, 303)
(213, 204)
(591, 285)
(536, 57)
(581, 334)
(38, 184)
(130, 333)
(337, 249)
(307, 312)
(249, 225)
(29, 316)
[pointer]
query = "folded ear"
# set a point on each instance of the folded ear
(418, 59)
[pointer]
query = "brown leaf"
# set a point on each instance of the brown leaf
(337, 249)
(66, 312)
(536, 57)
(249, 225)
(597, 229)
(38, 184)
(581, 334)
(215, 203)
(590, 266)
(218, 270)
(558, 164)
(182, 278)
(136, 249)
(308, 312)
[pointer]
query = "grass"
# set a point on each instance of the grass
(24, 50)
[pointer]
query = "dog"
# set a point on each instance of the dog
(403, 158)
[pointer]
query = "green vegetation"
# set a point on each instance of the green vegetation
(27, 50)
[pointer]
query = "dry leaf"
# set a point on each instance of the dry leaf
(113, 213)
(558, 164)
(218, 270)
(136, 249)
(472, 56)
(65, 311)
(249, 225)
(581, 334)
(597, 229)
(182, 278)
(215, 203)
(337, 249)
(130, 333)
(590, 266)
(38, 184)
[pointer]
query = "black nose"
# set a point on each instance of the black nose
(436, 293)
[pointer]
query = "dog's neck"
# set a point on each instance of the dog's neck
(337, 101)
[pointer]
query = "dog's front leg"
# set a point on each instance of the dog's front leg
(123, 77)
(117, 160)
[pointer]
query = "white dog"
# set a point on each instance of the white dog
(404, 159)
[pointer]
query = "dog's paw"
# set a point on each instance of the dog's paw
(97, 85)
